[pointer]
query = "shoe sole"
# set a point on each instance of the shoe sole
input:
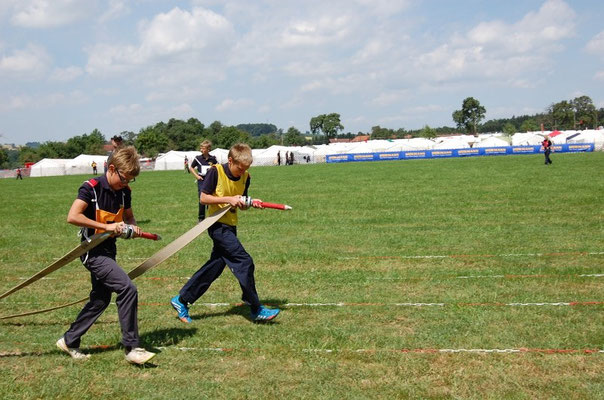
(143, 362)
(267, 319)
(63, 347)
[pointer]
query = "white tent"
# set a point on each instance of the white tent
(174, 160)
(526, 139)
(49, 167)
(492, 142)
(452, 143)
(82, 164)
(589, 136)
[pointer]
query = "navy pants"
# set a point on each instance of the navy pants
(201, 214)
(107, 277)
(227, 250)
(547, 152)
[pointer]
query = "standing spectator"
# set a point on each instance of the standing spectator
(187, 165)
(287, 158)
(116, 143)
(546, 146)
(93, 167)
(291, 158)
(199, 167)
(278, 157)
(19, 175)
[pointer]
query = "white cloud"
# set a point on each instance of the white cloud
(500, 51)
(596, 44)
(30, 62)
(126, 109)
(117, 8)
(174, 47)
(43, 100)
(230, 104)
(66, 74)
(50, 13)
(599, 75)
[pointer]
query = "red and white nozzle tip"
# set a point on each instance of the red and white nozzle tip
(252, 202)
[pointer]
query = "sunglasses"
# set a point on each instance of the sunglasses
(124, 181)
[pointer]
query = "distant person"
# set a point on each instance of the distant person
(291, 158)
(546, 146)
(278, 158)
(199, 167)
(104, 205)
(93, 167)
(287, 158)
(226, 184)
(19, 175)
(187, 165)
(116, 143)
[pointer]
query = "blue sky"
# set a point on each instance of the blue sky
(70, 66)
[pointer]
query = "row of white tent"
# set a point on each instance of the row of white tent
(174, 160)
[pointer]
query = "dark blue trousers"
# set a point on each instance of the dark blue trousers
(201, 213)
(227, 250)
(107, 277)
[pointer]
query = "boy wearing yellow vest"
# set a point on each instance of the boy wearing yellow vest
(225, 184)
(104, 205)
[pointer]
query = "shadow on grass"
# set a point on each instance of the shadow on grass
(242, 310)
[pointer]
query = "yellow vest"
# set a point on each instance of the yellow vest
(226, 187)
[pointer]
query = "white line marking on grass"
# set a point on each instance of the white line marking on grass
(591, 253)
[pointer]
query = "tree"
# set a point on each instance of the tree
(585, 112)
(150, 142)
(529, 125)
(3, 159)
(229, 135)
(470, 115)
(377, 132)
(428, 132)
(293, 137)
(562, 115)
(509, 129)
(328, 124)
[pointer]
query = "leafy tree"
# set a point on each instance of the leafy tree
(294, 137)
(229, 135)
(562, 115)
(428, 132)
(529, 125)
(328, 124)
(377, 132)
(509, 129)
(28, 154)
(150, 142)
(264, 141)
(129, 137)
(470, 115)
(53, 150)
(3, 159)
(257, 129)
(585, 112)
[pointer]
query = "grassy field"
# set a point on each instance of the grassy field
(386, 273)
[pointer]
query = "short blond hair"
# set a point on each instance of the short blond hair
(241, 153)
(206, 143)
(127, 160)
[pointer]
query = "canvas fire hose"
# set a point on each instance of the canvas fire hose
(172, 248)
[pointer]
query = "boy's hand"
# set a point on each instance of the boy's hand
(115, 228)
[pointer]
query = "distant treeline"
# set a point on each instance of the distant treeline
(176, 134)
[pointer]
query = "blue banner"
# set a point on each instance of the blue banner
(444, 153)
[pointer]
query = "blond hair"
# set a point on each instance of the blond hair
(241, 153)
(206, 143)
(127, 160)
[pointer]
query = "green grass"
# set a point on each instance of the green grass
(360, 234)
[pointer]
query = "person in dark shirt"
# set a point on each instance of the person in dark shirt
(199, 167)
(104, 205)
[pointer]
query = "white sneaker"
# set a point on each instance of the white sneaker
(139, 356)
(75, 353)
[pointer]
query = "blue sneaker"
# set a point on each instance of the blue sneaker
(183, 310)
(265, 314)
